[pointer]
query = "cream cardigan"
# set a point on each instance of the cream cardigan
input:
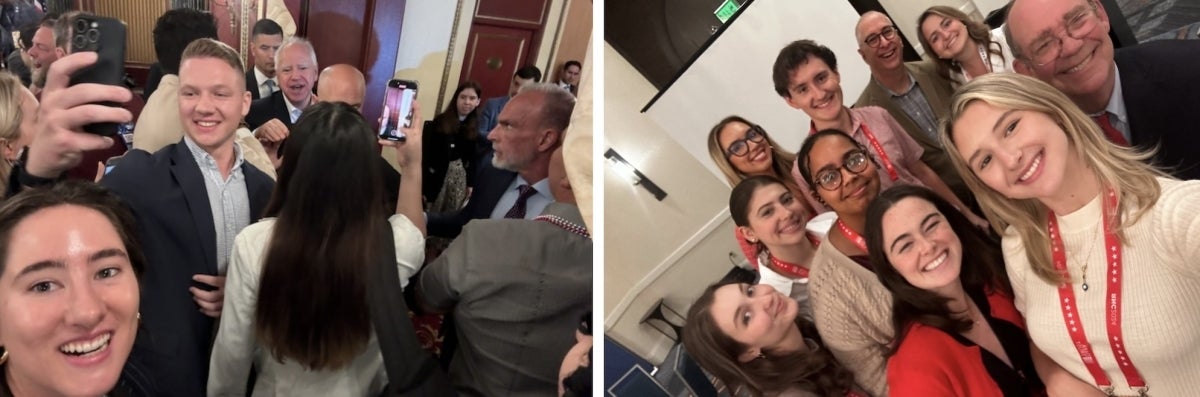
(854, 315)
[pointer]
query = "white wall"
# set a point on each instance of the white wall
(733, 76)
(654, 249)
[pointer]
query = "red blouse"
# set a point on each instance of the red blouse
(933, 363)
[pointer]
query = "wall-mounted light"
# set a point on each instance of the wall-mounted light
(626, 170)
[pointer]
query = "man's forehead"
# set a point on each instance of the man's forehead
(1039, 17)
(520, 108)
(871, 23)
(267, 39)
(188, 79)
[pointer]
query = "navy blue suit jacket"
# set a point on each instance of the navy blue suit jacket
(167, 194)
(1161, 88)
(263, 110)
(489, 184)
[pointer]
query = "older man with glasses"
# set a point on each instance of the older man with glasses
(1143, 96)
(913, 92)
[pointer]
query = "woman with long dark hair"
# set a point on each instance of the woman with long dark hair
(295, 300)
(451, 150)
(752, 337)
(957, 331)
(771, 219)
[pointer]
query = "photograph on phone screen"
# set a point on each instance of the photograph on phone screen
(397, 99)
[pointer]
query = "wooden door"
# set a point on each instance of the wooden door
(504, 35)
(494, 54)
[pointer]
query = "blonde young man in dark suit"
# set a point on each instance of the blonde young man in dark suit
(913, 92)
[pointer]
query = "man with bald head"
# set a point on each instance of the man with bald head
(913, 92)
(342, 83)
(1142, 95)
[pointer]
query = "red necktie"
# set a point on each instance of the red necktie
(1109, 131)
(518, 209)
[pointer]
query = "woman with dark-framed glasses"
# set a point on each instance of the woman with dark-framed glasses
(852, 309)
(743, 150)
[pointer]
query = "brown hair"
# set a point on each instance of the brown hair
(781, 160)
(209, 48)
(813, 371)
(915, 305)
(312, 297)
(448, 123)
(977, 31)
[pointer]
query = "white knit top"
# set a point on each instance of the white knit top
(1160, 294)
(853, 314)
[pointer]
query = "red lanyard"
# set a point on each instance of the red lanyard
(883, 156)
(1066, 293)
(792, 270)
(855, 238)
(564, 224)
(853, 393)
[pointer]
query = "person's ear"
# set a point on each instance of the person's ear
(748, 234)
(1023, 67)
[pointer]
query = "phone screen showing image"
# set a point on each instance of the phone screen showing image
(397, 107)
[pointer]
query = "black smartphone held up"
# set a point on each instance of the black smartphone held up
(397, 107)
(106, 37)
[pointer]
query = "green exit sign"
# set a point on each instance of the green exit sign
(726, 10)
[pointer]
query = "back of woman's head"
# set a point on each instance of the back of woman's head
(10, 121)
(330, 210)
(739, 198)
(781, 161)
(1120, 168)
(813, 371)
(83, 194)
(909, 303)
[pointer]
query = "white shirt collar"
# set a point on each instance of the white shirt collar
(1116, 101)
(262, 78)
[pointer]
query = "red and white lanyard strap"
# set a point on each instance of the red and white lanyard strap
(853, 393)
(564, 224)
(790, 270)
(853, 236)
(1066, 293)
(883, 156)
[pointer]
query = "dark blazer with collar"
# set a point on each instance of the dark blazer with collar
(252, 83)
(167, 194)
(265, 109)
(937, 90)
(1161, 88)
(489, 184)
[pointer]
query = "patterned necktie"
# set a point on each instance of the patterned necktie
(1109, 131)
(518, 209)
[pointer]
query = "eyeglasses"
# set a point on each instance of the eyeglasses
(888, 33)
(1046, 49)
(854, 161)
(740, 147)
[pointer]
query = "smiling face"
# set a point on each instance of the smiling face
(755, 316)
(212, 101)
(921, 245)
(1020, 154)
(857, 190)
(888, 54)
(775, 217)
(816, 89)
(43, 52)
(297, 73)
(68, 304)
(947, 36)
(758, 157)
(1084, 68)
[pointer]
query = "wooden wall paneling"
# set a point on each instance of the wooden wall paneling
(573, 37)
(379, 54)
(139, 17)
(522, 12)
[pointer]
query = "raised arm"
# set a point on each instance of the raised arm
(408, 156)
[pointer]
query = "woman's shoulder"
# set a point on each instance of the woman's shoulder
(923, 345)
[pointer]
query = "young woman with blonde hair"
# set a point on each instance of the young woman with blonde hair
(1090, 226)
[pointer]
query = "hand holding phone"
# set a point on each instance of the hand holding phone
(397, 109)
(106, 37)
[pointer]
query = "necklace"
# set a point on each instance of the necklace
(1087, 258)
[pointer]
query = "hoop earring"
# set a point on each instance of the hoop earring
(4, 358)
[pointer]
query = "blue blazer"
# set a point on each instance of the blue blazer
(489, 185)
(1161, 88)
(167, 194)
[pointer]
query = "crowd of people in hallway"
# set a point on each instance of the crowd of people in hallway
(253, 240)
(1014, 217)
